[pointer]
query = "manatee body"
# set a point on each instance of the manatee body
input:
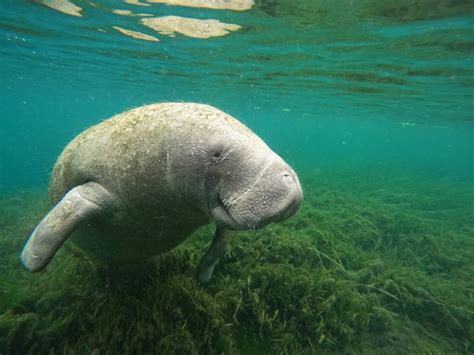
(140, 183)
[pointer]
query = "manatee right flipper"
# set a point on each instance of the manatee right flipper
(219, 245)
(80, 204)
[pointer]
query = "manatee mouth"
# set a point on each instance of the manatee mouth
(222, 215)
(286, 213)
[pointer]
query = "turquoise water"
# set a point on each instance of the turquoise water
(371, 100)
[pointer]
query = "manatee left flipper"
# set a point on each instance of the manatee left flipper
(80, 204)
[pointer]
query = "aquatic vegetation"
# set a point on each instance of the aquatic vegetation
(368, 265)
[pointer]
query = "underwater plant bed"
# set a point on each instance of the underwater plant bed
(367, 265)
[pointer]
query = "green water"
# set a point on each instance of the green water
(370, 101)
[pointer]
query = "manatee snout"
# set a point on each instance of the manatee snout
(286, 194)
(275, 196)
(294, 194)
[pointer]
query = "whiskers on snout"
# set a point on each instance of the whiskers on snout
(270, 198)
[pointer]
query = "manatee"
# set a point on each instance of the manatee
(140, 183)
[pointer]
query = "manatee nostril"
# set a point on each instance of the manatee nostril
(287, 178)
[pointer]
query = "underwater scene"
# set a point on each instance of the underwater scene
(370, 102)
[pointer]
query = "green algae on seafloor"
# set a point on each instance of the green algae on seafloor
(361, 268)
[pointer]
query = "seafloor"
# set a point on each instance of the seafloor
(368, 265)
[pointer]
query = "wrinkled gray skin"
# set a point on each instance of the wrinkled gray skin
(140, 183)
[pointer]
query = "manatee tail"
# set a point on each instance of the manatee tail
(80, 204)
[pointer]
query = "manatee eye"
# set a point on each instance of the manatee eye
(218, 154)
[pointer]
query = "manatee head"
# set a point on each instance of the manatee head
(247, 184)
